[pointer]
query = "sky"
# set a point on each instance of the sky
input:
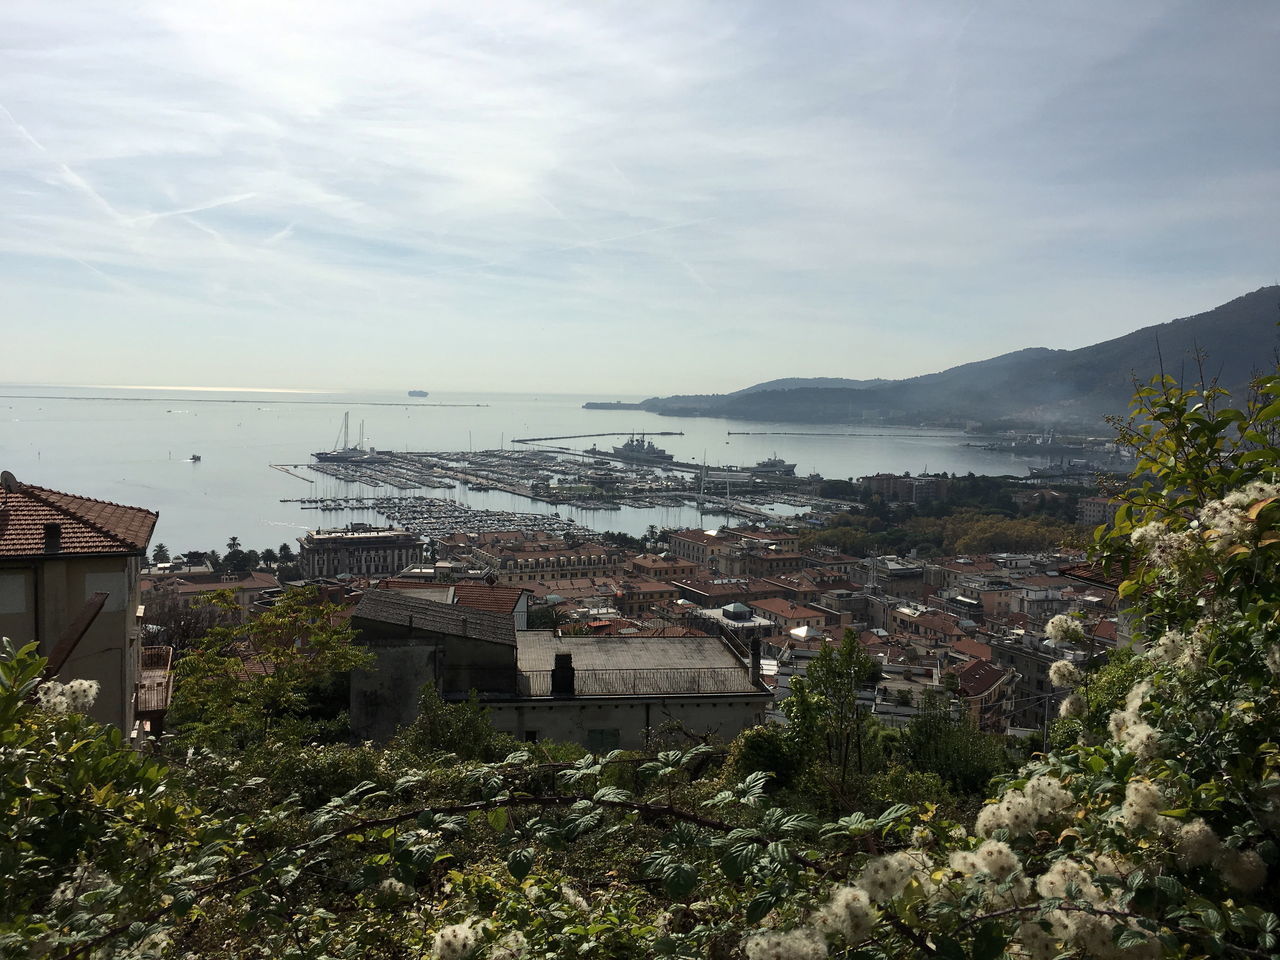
(618, 199)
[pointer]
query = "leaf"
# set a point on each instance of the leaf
(679, 879)
(1257, 508)
(896, 812)
(498, 819)
(520, 862)
(760, 906)
(989, 942)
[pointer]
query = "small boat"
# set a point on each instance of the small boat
(195, 458)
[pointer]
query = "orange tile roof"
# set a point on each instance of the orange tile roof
(785, 608)
(484, 597)
(89, 526)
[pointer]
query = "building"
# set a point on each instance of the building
(1095, 511)
(662, 567)
(619, 692)
(987, 693)
(358, 550)
(788, 616)
(69, 581)
(494, 598)
(247, 587)
(527, 561)
(416, 641)
(603, 691)
(905, 488)
(701, 547)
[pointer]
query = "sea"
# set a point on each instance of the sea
(135, 445)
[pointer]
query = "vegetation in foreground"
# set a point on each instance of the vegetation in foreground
(1152, 833)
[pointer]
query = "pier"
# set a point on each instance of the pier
(588, 436)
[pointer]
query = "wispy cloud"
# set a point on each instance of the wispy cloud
(906, 188)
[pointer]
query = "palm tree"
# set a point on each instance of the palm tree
(285, 552)
(233, 544)
(160, 554)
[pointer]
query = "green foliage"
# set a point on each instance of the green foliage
(241, 679)
(461, 729)
(258, 838)
(948, 744)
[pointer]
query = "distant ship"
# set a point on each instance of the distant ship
(418, 393)
(638, 449)
(343, 452)
(774, 466)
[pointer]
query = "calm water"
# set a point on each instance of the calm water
(131, 446)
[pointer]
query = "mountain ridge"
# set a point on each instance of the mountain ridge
(1034, 385)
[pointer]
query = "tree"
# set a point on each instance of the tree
(285, 553)
(1154, 835)
(836, 677)
(269, 557)
(233, 544)
(160, 554)
(241, 679)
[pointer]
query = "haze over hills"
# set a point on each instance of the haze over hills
(1036, 386)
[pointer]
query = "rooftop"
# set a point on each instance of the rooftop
(635, 665)
(87, 526)
(418, 613)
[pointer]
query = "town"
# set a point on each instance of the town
(566, 635)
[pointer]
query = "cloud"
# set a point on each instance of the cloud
(849, 189)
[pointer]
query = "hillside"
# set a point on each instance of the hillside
(1035, 385)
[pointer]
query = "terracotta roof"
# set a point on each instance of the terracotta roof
(88, 526)
(480, 596)
(785, 608)
(977, 677)
(973, 649)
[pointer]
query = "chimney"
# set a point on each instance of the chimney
(53, 537)
(562, 677)
(755, 660)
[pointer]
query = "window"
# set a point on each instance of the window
(531, 736)
(600, 740)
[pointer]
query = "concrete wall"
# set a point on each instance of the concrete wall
(40, 598)
(385, 696)
(595, 721)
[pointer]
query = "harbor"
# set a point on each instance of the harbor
(635, 475)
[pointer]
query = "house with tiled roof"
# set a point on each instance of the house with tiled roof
(987, 692)
(69, 580)
(494, 598)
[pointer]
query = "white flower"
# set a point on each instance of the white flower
(1244, 870)
(803, 943)
(996, 858)
(848, 913)
(1169, 647)
(574, 899)
(1048, 795)
(1073, 705)
(1142, 740)
(456, 941)
(510, 947)
(1064, 874)
(1196, 844)
(392, 888)
(1038, 943)
(1064, 630)
(1145, 537)
(1064, 673)
(1142, 802)
(883, 878)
